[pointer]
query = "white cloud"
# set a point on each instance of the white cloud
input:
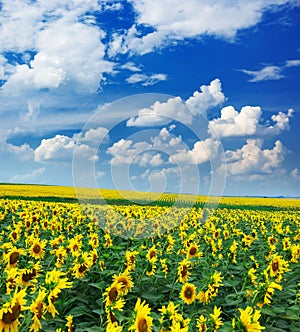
(162, 113)
(28, 177)
(174, 20)
(146, 80)
(92, 137)
(253, 161)
(68, 53)
(268, 73)
(175, 108)
(247, 122)
(128, 152)
(282, 120)
(265, 74)
(233, 123)
(202, 152)
(144, 153)
(209, 96)
(61, 148)
(292, 63)
(131, 67)
(22, 152)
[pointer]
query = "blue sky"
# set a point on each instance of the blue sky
(181, 96)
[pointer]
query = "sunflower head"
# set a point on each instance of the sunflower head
(188, 293)
(192, 251)
(10, 312)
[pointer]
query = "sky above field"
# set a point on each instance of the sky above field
(199, 96)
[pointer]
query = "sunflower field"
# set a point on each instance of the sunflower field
(66, 266)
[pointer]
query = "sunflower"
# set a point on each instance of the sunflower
(60, 253)
(74, 246)
(188, 293)
(112, 293)
(13, 255)
(164, 266)
(11, 311)
(217, 321)
(269, 292)
(125, 280)
(69, 323)
(113, 327)
(152, 254)
(82, 266)
(55, 281)
(151, 270)
(202, 324)
(249, 320)
(143, 320)
(108, 241)
(37, 307)
(183, 271)
(130, 259)
(37, 249)
(15, 234)
(29, 275)
(94, 240)
(192, 251)
(277, 267)
(11, 279)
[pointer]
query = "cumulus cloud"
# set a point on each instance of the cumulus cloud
(202, 152)
(175, 108)
(173, 21)
(254, 161)
(60, 148)
(144, 153)
(209, 96)
(146, 80)
(93, 137)
(128, 152)
(161, 113)
(68, 53)
(247, 122)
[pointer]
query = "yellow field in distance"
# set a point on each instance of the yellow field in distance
(69, 192)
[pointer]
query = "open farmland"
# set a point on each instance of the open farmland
(67, 266)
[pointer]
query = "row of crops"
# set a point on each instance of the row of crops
(71, 267)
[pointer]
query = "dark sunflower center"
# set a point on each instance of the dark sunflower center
(193, 251)
(10, 317)
(26, 276)
(188, 293)
(152, 254)
(184, 271)
(14, 235)
(13, 258)
(82, 268)
(37, 248)
(275, 266)
(39, 309)
(113, 294)
(142, 325)
(124, 283)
